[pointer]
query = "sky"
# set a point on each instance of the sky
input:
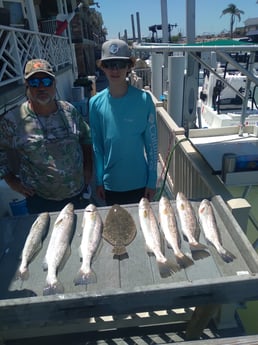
(116, 15)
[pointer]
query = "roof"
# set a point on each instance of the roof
(222, 43)
(252, 33)
(251, 21)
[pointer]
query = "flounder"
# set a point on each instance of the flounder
(119, 229)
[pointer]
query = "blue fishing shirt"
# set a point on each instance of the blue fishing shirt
(124, 136)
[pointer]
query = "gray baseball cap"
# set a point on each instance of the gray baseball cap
(115, 49)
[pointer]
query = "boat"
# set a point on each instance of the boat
(225, 93)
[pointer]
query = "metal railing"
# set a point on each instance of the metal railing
(48, 26)
(145, 75)
(17, 46)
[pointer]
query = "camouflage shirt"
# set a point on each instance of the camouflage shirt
(49, 148)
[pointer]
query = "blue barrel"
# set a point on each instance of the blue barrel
(18, 207)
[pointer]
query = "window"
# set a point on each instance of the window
(16, 12)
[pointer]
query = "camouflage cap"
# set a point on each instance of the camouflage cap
(37, 66)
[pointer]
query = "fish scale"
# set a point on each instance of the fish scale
(169, 227)
(211, 231)
(91, 235)
(58, 248)
(119, 229)
(189, 226)
(151, 234)
(33, 244)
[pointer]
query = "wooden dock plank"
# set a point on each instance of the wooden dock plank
(242, 340)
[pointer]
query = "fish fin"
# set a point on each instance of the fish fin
(53, 289)
(199, 251)
(197, 246)
(45, 265)
(22, 274)
(227, 256)
(162, 244)
(83, 278)
(119, 250)
(198, 254)
(148, 249)
(167, 268)
(80, 253)
(184, 261)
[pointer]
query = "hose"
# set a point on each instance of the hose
(160, 192)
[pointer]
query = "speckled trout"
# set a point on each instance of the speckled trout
(211, 231)
(33, 244)
(151, 234)
(168, 225)
(189, 226)
(91, 235)
(58, 249)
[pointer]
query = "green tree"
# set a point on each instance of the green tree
(234, 13)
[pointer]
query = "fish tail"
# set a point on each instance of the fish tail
(119, 250)
(167, 268)
(184, 261)
(199, 251)
(53, 289)
(227, 256)
(84, 278)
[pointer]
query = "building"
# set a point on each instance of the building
(251, 29)
(28, 30)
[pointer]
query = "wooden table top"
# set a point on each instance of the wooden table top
(123, 286)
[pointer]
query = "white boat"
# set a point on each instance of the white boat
(228, 98)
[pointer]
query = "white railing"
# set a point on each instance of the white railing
(188, 172)
(145, 75)
(18, 46)
(48, 26)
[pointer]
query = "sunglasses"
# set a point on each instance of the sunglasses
(35, 82)
(115, 64)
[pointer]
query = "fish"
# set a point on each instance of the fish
(33, 244)
(151, 234)
(119, 230)
(168, 225)
(92, 227)
(58, 249)
(189, 227)
(211, 231)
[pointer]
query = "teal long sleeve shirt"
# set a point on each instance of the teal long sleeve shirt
(124, 136)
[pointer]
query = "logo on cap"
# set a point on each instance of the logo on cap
(39, 64)
(113, 49)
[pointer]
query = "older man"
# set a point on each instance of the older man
(53, 143)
